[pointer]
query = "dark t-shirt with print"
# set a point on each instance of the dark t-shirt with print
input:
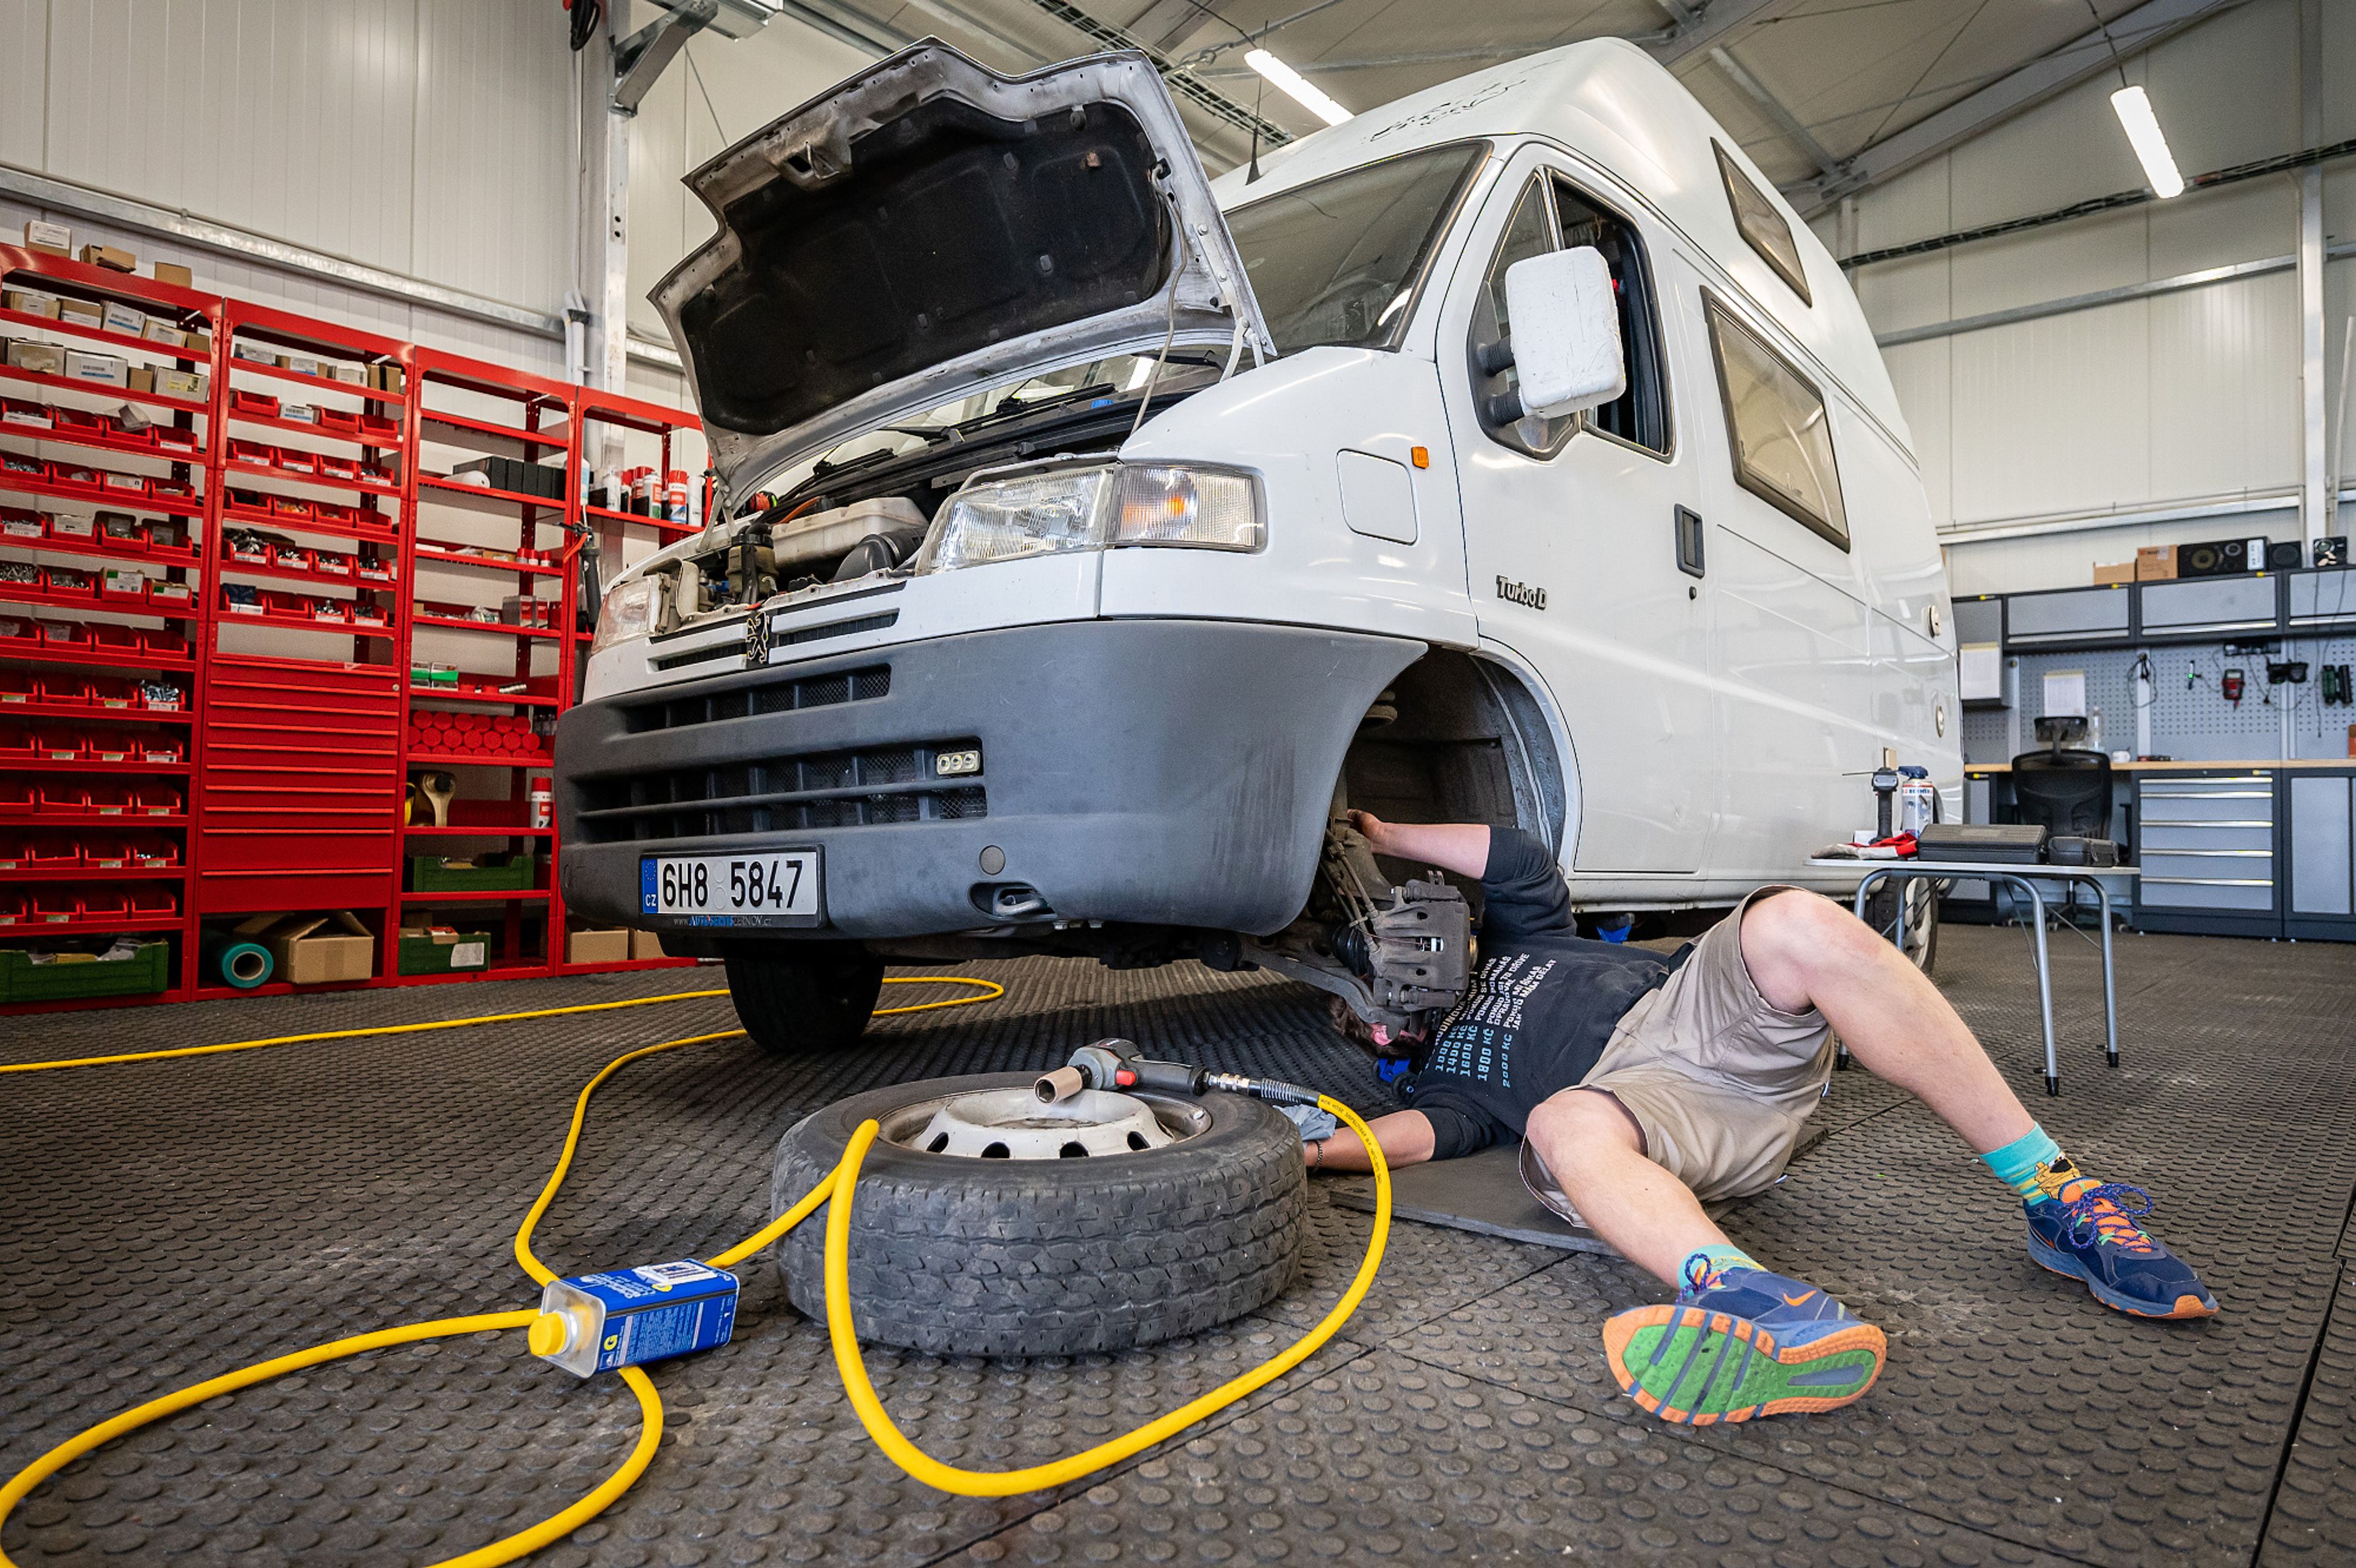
(1540, 1009)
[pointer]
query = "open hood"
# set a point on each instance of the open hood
(931, 228)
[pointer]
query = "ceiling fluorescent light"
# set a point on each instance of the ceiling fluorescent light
(1295, 86)
(2143, 131)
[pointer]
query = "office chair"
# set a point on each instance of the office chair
(2065, 791)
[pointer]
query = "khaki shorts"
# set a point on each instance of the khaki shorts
(1715, 1079)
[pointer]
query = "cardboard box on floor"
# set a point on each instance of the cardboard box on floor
(597, 947)
(314, 949)
(646, 945)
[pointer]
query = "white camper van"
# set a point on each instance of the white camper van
(1095, 531)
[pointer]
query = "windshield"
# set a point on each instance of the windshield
(1336, 262)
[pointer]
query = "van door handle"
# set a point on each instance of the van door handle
(1689, 559)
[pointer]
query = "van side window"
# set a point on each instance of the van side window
(1550, 216)
(1640, 416)
(1775, 421)
(1762, 226)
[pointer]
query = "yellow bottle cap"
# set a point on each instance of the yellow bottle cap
(549, 1334)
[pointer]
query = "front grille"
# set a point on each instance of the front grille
(750, 701)
(821, 789)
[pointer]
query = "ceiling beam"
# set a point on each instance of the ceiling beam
(1698, 27)
(2085, 56)
(1784, 121)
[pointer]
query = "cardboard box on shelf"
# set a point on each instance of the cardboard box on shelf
(41, 359)
(646, 945)
(199, 343)
(2156, 563)
(314, 949)
(81, 312)
(597, 947)
(141, 379)
(48, 239)
(158, 330)
(126, 319)
(31, 302)
(179, 276)
(112, 259)
(178, 383)
(104, 369)
(2121, 571)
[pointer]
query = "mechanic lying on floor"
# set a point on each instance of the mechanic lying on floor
(1645, 1086)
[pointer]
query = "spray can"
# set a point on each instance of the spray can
(1916, 798)
(675, 496)
(543, 799)
(624, 1317)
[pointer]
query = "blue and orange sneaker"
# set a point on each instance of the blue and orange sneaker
(2086, 1229)
(1740, 1342)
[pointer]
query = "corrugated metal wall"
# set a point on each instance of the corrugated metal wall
(2161, 404)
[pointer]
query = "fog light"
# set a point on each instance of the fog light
(951, 764)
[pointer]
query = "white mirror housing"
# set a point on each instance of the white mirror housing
(1566, 332)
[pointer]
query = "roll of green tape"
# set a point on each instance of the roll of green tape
(243, 965)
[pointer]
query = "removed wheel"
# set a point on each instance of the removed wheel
(1922, 944)
(804, 996)
(987, 1223)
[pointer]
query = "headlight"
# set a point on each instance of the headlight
(628, 611)
(1094, 508)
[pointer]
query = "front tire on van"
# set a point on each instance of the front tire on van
(795, 996)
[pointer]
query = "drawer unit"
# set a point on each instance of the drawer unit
(295, 806)
(2206, 845)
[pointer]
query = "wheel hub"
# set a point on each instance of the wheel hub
(1012, 1123)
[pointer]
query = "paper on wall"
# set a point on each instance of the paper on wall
(1983, 671)
(2066, 694)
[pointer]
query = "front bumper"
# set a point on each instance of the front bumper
(1173, 772)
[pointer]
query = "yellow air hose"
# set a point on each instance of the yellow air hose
(839, 1185)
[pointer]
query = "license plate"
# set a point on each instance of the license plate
(778, 887)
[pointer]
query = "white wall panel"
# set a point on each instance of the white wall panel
(494, 200)
(2052, 416)
(291, 117)
(658, 200)
(23, 68)
(2224, 387)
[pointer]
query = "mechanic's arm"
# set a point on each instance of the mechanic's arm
(1459, 846)
(1406, 1137)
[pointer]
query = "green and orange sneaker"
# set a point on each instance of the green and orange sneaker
(1740, 1342)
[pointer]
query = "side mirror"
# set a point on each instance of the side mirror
(1566, 332)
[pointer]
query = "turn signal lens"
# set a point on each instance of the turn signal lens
(1187, 507)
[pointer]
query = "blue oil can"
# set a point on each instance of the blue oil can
(595, 1322)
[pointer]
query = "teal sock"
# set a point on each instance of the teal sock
(2016, 1163)
(1714, 1260)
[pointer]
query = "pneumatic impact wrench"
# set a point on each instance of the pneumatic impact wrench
(1108, 1065)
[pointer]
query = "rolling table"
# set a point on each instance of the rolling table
(2024, 878)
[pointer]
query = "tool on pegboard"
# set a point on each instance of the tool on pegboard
(2229, 686)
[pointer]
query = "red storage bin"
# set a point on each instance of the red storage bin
(68, 691)
(105, 854)
(153, 903)
(343, 420)
(110, 746)
(13, 909)
(375, 427)
(289, 506)
(115, 639)
(290, 556)
(173, 438)
(294, 460)
(62, 800)
(18, 686)
(260, 404)
(110, 799)
(165, 644)
(63, 633)
(329, 512)
(153, 852)
(22, 524)
(104, 903)
(50, 854)
(52, 906)
(155, 702)
(14, 848)
(58, 745)
(18, 794)
(161, 749)
(69, 583)
(334, 467)
(154, 800)
(79, 420)
(31, 470)
(177, 489)
(255, 451)
(107, 691)
(126, 434)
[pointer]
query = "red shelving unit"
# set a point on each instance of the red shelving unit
(57, 525)
(324, 480)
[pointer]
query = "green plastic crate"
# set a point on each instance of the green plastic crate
(22, 980)
(423, 955)
(427, 874)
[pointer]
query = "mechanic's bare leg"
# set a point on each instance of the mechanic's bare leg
(1805, 950)
(1593, 1150)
